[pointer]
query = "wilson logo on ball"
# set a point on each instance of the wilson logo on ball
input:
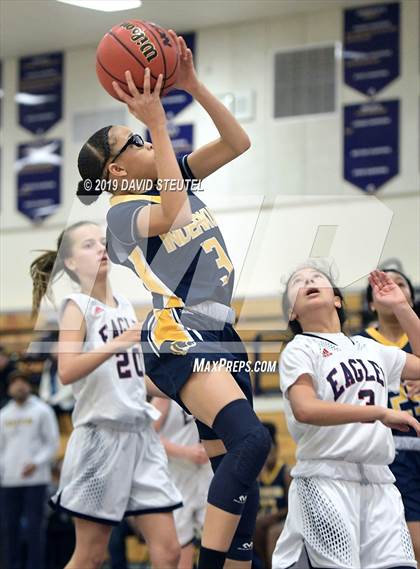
(138, 36)
(133, 45)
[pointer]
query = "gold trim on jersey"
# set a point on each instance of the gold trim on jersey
(201, 221)
(269, 477)
(115, 200)
(397, 402)
(152, 281)
(167, 328)
(382, 340)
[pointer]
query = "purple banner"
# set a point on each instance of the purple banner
(1, 93)
(371, 47)
(177, 100)
(182, 138)
(38, 168)
(371, 144)
(40, 91)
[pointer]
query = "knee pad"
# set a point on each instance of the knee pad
(241, 548)
(251, 454)
(234, 422)
(248, 444)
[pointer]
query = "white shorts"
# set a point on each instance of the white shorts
(108, 474)
(193, 483)
(344, 525)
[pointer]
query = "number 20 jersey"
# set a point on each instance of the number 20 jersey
(356, 371)
(114, 394)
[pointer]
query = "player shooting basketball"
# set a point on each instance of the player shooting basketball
(171, 241)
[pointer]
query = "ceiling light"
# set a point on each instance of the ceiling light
(104, 5)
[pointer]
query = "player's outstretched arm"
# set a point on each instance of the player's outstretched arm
(389, 294)
(307, 408)
(233, 139)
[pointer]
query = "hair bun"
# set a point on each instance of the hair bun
(86, 192)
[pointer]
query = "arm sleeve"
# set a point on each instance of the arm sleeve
(394, 361)
(187, 173)
(50, 436)
(185, 168)
(295, 360)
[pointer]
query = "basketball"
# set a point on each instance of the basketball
(134, 45)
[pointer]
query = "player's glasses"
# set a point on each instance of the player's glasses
(134, 140)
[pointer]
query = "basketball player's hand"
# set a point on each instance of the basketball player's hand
(385, 291)
(413, 388)
(187, 77)
(130, 337)
(147, 106)
(400, 420)
(196, 454)
(28, 470)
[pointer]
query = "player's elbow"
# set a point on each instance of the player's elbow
(303, 414)
(246, 145)
(242, 144)
(64, 377)
(65, 374)
(180, 221)
(182, 217)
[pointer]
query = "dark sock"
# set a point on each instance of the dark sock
(211, 559)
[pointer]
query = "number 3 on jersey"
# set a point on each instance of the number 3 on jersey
(222, 260)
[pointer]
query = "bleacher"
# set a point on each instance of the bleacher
(261, 327)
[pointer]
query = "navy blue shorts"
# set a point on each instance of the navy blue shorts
(177, 342)
(406, 469)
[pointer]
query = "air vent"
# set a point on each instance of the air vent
(304, 81)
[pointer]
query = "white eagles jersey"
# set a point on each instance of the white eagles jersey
(179, 427)
(357, 371)
(115, 392)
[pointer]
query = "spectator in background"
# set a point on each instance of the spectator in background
(7, 365)
(29, 439)
(274, 486)
(31, 366)
(51, 390)
(61, 537)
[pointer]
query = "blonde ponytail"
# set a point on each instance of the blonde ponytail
(41, 272)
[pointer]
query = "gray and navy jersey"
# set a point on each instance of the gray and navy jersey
(185, 266)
